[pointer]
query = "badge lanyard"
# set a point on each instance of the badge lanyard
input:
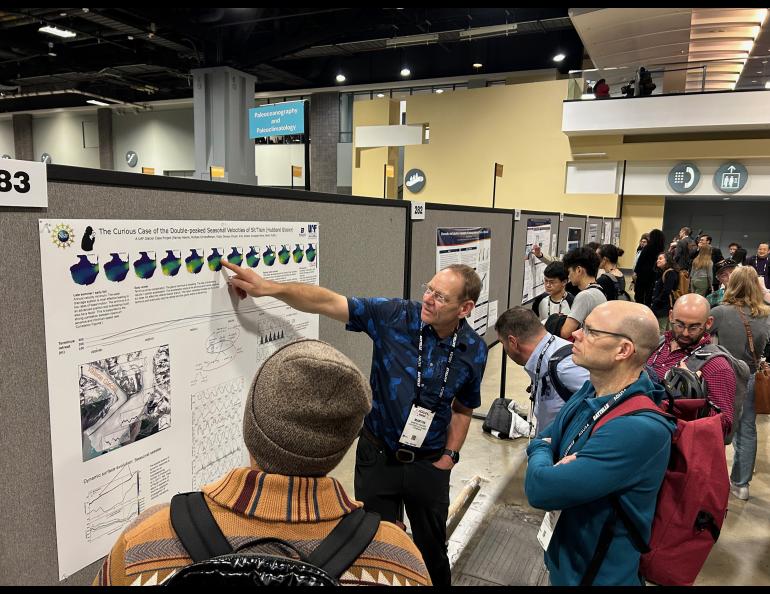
(448, 365)
(549, 306)
(596, 416)
(420, 418)
(536, 383)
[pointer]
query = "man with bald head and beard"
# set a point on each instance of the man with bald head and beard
(623, 461)
(691, 321)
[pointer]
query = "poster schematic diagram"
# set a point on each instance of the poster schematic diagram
(124, 399)
(574, 235)
(471, 246)
(150, 355)
(538, 233)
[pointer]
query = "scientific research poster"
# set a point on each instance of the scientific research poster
(593, 233)
(574, 235)
(538, 233)
(150, 357)
(471, 246)
(607, 231)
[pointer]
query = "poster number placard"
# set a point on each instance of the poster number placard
(23, 183)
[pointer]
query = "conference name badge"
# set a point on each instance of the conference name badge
(417, 426)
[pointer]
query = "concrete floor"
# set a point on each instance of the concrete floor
(741, 557)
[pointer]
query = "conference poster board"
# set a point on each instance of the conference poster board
(150, 356)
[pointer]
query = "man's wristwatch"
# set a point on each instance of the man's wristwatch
(454, 455)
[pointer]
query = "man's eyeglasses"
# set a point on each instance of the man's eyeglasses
(548, 281)
(440, 297)
(594, 333)
(677, 325)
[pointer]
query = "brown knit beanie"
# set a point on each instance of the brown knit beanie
(304, 409)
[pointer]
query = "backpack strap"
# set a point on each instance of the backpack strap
(633, 405)
(195, 526)
(557, 357)
(200, 535)
(345, 542)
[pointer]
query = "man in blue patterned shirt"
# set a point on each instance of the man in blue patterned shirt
(427, 365)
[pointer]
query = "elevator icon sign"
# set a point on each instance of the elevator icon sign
(731, 178)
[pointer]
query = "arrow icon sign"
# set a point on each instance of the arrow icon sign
(731, 168)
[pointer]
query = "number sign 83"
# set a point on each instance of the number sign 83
(18, 182)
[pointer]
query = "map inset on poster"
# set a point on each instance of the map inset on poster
(150, 355)
(124, 399)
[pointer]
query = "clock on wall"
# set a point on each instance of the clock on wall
(132, 158)
(45, 158)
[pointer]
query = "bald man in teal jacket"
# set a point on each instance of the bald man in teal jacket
(625, 458)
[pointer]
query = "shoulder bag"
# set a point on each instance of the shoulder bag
(761, 377)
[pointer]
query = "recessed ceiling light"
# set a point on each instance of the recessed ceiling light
(51, 30)
(405, 72)
(95, 102)
(559, 57)
(477, 64)
(340, 78)
(52, 54)
(439, 91)
(63, 14)
(130, 38)
(380, 95)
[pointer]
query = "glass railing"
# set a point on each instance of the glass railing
(626, 81)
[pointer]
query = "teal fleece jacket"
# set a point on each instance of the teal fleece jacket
(627, 456)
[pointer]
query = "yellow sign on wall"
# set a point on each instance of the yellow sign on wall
(148, 170)
(296, 171)
(390, 171)
(217, 171)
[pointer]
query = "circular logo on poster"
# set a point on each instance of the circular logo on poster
(132, 158)
(730, 178)
(683, 177)
(414, 180)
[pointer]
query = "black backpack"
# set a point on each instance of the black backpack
(553, 375)
(216, 563)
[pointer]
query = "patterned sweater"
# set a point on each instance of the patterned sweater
(248, 504)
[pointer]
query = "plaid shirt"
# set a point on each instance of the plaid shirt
(718, 373)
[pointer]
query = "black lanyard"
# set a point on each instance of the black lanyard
(448, 364)
(536, 383)
(596, 416)
(549, 305)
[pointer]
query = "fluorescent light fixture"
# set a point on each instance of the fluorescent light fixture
(340, 78)
(477, 64)
(559, 57)
(95, 102)
(51, 30)
(380, 95)
(492, 31)
(405, 71)
(407, 40)
(439, 91)
(52, 54)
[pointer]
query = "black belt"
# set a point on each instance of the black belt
(403, 455)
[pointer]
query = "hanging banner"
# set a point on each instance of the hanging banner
(471, 246)
(150, 357)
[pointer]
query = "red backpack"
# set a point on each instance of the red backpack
(692, 501)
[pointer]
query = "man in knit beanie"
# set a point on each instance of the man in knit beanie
(304, 410)
(427, 365)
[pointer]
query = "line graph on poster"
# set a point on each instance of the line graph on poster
(170, 325)
(110, 507)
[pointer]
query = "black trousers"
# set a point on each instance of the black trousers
(384, 485)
